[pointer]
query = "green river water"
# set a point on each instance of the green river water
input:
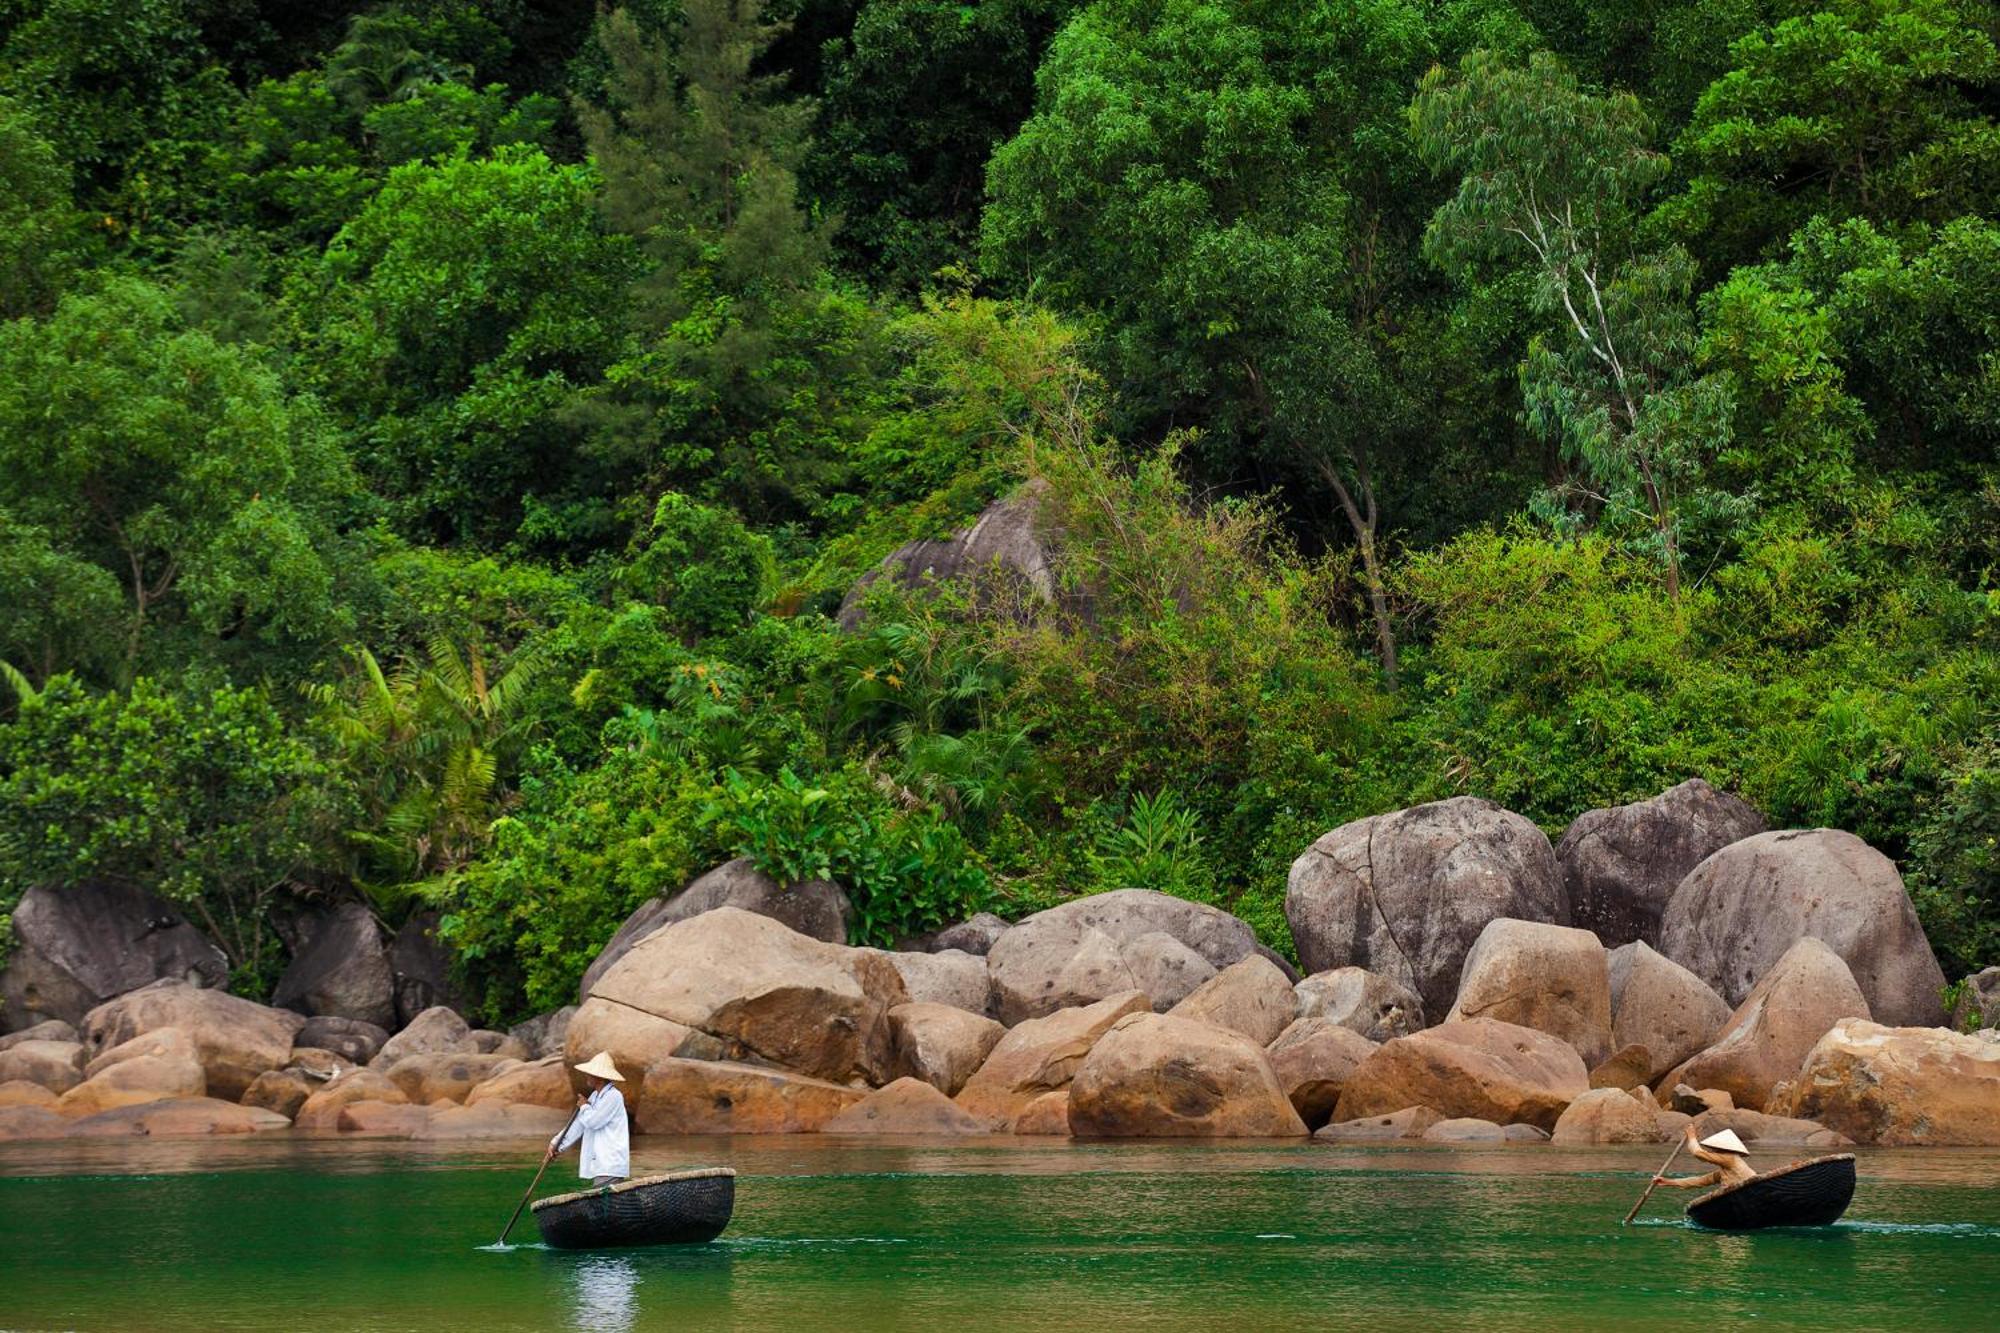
(994, 1235)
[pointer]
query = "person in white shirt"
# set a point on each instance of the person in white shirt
(606, 1158)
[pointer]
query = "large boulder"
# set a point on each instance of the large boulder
(1661, 1006)
(1045, 1117)
(437, 1030)
(723, 1097)
(974, 935)
(633, 1037)
(764, 991)
(55, 1065)
(1475, 1067)
(907, 1106)
(160, 1042)
(1406, 894)
(383, 1120)
(1004, 546)
(1607, 1115)
(1411, 1122)
(281, 1090)
(949, 976)
(129, 1082)
(321, 1111)
(1367, 1003)
(544, 1034)
(24, 1123)
(422, 969)
(352, 1040)
(343, 971)
(815, 908)
(1251, 997)
(1768, 1131)
(1777, 1025)
(1312, 1060)
(1465, 1129)
(1041, 1055)
(495, 1120)
(1737, 913)
(1167, 1076)
(1074, 954)
(1891, 1085)
(1550, 978)
(49, 1029)
(235, 1038)
(1164, 968)
(1621, 865)
(941, 1044)
(77, 946)
(441, 1077)
(180, 1117)
(20, 1092)
(543, 1082)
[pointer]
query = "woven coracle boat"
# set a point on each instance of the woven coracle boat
(680, 1208)
(1806, 1194)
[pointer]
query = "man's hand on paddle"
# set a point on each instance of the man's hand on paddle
(548, 1154)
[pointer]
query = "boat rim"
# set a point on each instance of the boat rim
(1763, 1176)
(637, 1182)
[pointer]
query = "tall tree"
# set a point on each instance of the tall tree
(1551, 176)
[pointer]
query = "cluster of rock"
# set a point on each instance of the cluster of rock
(1468, 982)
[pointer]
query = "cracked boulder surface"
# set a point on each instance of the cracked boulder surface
(740, 986)
(1406, 894)
(1620, 865)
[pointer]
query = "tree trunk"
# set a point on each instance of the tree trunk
(1664, 522)
(1364, 525)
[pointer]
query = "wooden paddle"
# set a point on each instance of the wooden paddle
(1654, 1183)
(538, 1179)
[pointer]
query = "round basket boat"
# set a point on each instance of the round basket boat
(1805, 1194)
(680, 1208)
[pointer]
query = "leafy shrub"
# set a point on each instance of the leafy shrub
(701, 564)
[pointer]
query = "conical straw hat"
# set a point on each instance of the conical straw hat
(600, 1065)
(1725, 1140)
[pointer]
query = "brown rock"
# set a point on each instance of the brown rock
(946, 977)
(941, 1044)
(486, 1041)
(1164, 968)
(1620, 866)
(1771, 1130)
(1409, 1123)
(544, 1083)
(635, 1038)
(1251, 998)
(235, 1039)
(1693, 1101)
(495, 1120)
(186, 1117)
(1898, 1086)
(342, 969)
(1607, 1115)
(1047, 1117)
(321, 1111)
(1164, 1075)
(1053, 960)
(1312, 1059)
(432, 1078)
(817, 908)
(1476, 1067)
(1632, 1064)
(143, 1078)
(320, 1065)
(1742, 909)
(544, 1034)
(722, 1097)
(1406, 894)
(975, 935)
(907, 1106)
(435, 1031)
(78, 945)
(20, 1092)
(50, 1029)
(281, 1090)
(1465, 1129)
(1524, 1133)
(169, 1042)
(1658, 1004)
(355, 1042)
(56, 1065)
(1040, 1055)
(1549, 978)
(383, 1120)
(1374, 1006)
(1769, 1035)
(765, 991)
(22, 1123)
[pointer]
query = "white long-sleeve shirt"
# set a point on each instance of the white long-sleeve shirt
(607, 1144)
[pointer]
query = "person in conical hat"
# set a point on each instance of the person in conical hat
(600, 1123)
(1724, 1151)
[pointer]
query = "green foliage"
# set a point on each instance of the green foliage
(905, 871)
(37, 221)
(1956, 847)
(178, 465)
(200, 796)
(702, 565)
(1158, 847)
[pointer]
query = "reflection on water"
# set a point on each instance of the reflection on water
(1009, 1235)
(606, 1294)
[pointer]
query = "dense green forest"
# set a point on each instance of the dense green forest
(435, 436)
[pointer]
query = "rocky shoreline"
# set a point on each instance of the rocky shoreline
(1469, 982)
